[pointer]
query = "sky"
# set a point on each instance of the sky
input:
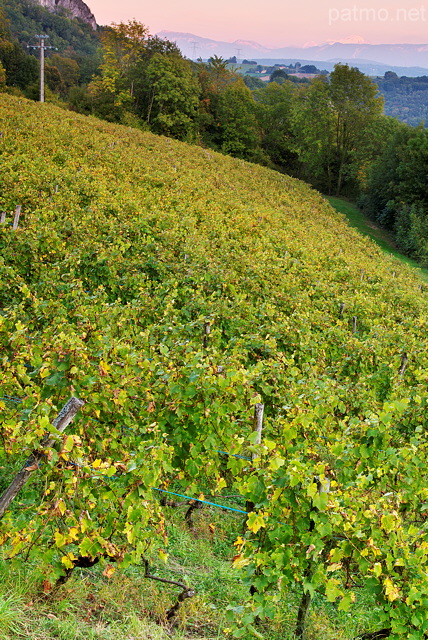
(276, 23)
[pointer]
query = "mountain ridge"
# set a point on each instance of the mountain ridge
(392, 55)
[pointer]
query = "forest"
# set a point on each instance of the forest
(405, 98)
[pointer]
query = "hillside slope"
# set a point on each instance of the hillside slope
(172, 288)
(71, 38)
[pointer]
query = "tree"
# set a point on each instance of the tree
(142, 91)
(2, 77)
(396, 194)
(4, 25)
(253, 83)
(309, 68)
(21, 68)
(124, 47)
(279, 76)
(124, 86)
(53, 79)
(333, 117)
(274, 109)
(237, 125)
(356, 104)
(213, 77)
(313, 124)
(174, 93)
(217, 63)
(382, 187)
(68, 71)
(413, 169)
(390, 75)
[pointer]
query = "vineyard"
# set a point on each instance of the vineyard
(173, 291)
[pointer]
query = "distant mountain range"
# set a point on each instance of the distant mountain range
(373, 59)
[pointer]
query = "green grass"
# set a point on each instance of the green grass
(128, 606)
(384, 239)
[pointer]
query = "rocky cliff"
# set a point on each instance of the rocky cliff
(75, 8)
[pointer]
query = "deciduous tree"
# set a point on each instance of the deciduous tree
(174, 93)
(333, 117)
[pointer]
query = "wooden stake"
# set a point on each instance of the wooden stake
(323, 485)
(258, 428)
(16, 218)
(207, 331)
(404, 360)
(354, 324)
(341, 309)
(249, 506)
(258, 422)
(64, 418)
(2, 217)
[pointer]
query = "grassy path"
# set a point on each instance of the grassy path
(366, 227)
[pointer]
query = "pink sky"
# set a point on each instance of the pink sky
(276, 23)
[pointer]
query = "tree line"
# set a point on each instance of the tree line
(331, 132)
(405, 97)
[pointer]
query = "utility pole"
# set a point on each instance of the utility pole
(42, 67)
(42, 46)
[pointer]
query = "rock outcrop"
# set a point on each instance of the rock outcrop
(75, 8)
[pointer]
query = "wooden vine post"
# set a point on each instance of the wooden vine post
(258, 428)
(16, 218)
(2, 217)
(64, 418)
(404, 361)
(258, 422)
(207, 331)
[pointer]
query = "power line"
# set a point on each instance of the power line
(195, 46)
